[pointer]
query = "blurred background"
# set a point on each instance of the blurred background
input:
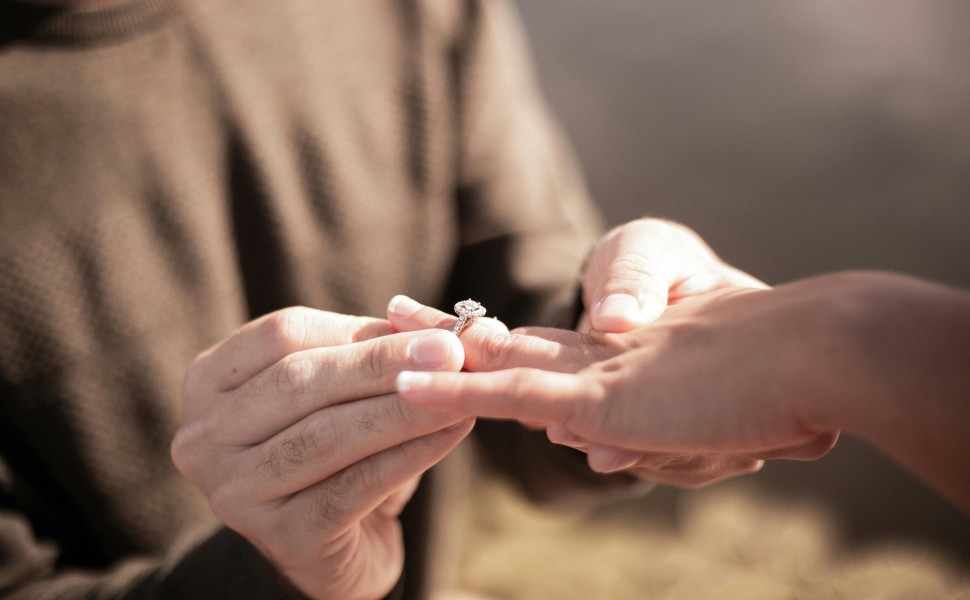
(797, 138)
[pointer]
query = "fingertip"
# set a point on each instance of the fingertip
(558, 434)
(413, 383)
(616, 313)
(609, 459)
(437, 350)
(456, 350)
(402, 306)
(622, 312)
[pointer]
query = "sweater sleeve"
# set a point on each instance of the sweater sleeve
(222, 565)
(527, 223)
(525, 218)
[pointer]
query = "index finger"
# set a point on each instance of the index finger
(520, 394)
(268, 339)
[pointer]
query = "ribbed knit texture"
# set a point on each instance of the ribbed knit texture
(167, 173)
(41, 23)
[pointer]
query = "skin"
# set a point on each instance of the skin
(633, 275)
(640, 268)
(295, 433)
(735, 374)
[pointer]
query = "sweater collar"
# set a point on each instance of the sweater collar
(46, 24)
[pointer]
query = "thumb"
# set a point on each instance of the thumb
(627, 295)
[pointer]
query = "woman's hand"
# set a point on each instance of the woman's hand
(709, 391)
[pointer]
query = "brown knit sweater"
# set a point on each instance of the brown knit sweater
(168, 172)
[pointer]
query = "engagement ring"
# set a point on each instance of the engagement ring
(467, 310)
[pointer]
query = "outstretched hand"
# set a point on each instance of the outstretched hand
(709, 391)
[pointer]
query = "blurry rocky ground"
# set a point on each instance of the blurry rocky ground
(729, 542)
(797, 138)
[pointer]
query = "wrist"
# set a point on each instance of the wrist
(839, 329)
(884, 357)
(907, 340)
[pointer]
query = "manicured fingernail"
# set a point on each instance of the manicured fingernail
(413, 381)
(402, 306)
(433, 350)
(618, 306)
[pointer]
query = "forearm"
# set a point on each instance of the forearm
(914, 342)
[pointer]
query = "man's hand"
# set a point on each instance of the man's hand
(709, 391)
(641, 267)
(294, 432)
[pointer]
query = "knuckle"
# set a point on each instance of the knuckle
(226, 504)
(187, 449)
(436, 320)
(399, 411)
(522, 384)
(293, 376)
(367, 328)
(362, 480)
(273, 465)
(295, 449)
(283, 458)
(368, 422)
(372, 365)
(497, 350)
(630, 266)
(321, 431)
(327, 508)
(286, 455)
(288, 328)
(181, 451)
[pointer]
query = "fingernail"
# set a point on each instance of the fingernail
(558, 434)
(618, 306)
(413, 381)
(402, 306)
(433, 350)
(611, 460)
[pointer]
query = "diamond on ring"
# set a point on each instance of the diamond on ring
(467, 310)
